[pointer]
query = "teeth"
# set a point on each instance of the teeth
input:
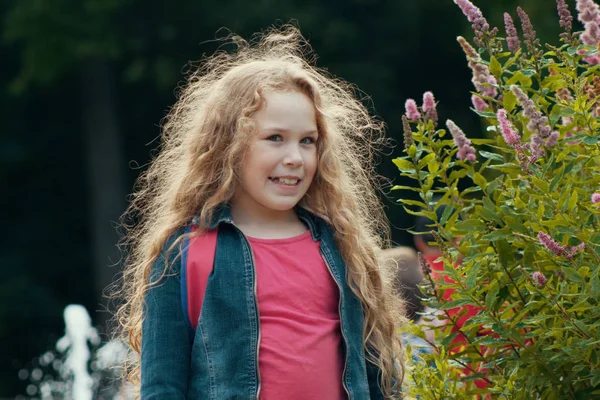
(286, 181)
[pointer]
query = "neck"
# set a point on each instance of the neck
(262, 217)
(261, 222)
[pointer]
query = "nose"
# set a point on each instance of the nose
(293, 156)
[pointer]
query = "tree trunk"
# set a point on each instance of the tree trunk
(105, 164)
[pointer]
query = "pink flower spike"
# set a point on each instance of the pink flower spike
(552, 245)
(465, 150)
(512, 39)
(470, 11)
(425, 267)
(578, 248)
(429, 106)
(589, 15)
(490, 91)
(511, 137)
(528, 33)
(596, 198)
(552, 139)
(592, 60)
(411, 110)
(478, 103)
(566, 19)
(537, 121)
(539, 278)
(479, 23)
(588, 11)
(470, 52)
(428, 101)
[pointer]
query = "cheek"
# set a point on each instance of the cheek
(255, 162)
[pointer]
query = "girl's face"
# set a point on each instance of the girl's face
(282, 159)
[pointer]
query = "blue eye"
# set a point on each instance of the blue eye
(274, 138)
(307, 140)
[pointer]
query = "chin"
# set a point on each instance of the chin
(286, 206)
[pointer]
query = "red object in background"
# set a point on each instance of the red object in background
(465, 312)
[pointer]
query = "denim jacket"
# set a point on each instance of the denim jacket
(220, 359)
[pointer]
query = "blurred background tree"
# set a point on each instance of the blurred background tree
(85, 84)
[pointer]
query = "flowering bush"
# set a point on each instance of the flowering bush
(522, 243)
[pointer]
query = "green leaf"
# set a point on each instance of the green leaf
(492, 156)
(399, 187)
(469, 224)
(479, 141)
(412, 150)
(446, 214)
(509, 101)
(433, 166)
(431, 215)
(573, 200)
(555, 222)
(495, 67)
(572, 274)
(542, 185)
(470, 190)
(412, 203)
(491, 187)
(505, 252)
(536, 319)
(528, 72)
(456, 303)
(457, 174)
(496, 235)
(479, 180)
(471, 277)
(513, 59)
(489, 205)
(446, 340)
(528, 255)
(557, 177)
(403, 165)
(520, 77)
(426, 160)
(411, 212)
(564, 198)
(473, 376)
(490, 296)
(484, 114)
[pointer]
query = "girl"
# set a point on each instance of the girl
(251, 269)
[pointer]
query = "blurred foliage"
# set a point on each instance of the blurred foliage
(388, 48)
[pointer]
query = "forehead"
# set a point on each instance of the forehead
(286, 110)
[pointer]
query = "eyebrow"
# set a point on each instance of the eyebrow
(282, 130)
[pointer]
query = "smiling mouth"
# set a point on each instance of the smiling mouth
(286, 181)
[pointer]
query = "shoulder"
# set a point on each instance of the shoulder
(174, 242)
(171, 252)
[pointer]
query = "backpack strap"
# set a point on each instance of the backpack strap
(197, 264)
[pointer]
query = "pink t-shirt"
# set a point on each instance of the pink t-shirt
(301, 355)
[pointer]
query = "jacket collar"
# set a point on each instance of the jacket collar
(222, 214)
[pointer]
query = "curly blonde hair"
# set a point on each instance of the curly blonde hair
(197, 168)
